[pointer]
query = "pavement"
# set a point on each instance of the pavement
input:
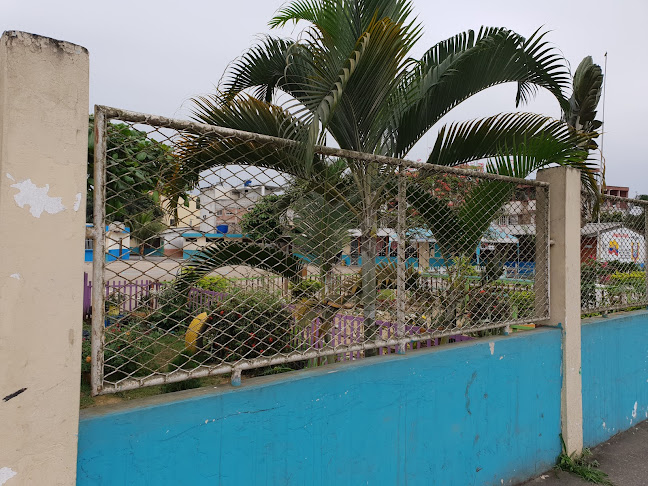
(624, 458)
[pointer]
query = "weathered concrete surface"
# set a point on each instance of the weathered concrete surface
(43, 161)
(623, 458)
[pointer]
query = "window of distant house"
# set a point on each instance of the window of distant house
(219, 212)
(172, 222)
(197, 203)
(89, 244)
(229, 212)
(204, 217)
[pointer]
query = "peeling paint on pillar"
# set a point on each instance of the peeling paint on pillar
(6, 474)
(29, 194)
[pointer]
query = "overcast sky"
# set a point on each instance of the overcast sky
(154, 55)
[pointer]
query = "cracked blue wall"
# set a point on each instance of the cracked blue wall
(615, 375)
(472, 413)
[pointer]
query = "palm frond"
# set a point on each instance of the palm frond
(223, 254)
(462, 66)
(260, 68)
(533, 141)
(245, 113)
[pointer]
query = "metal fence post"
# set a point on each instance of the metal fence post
(541, 274)
(400, 258)
(98, 254)
(565, 305)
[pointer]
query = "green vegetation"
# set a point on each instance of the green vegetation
(214, 283)
(351, 80)
(138, 169)
(582, 465)
(248, 325)
(264, 221)
(306, 289)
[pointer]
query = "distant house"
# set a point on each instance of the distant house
(195, 242)
(611, 205)
(222, 206)
(607, 242)
(117, 243)
(187, 213)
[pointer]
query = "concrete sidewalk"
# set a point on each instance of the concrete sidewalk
(624, 458)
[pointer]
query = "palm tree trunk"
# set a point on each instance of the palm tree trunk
(368, 253)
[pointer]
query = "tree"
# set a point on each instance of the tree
(137, 171)
(350, 78)
(264, 221)
(144, 226)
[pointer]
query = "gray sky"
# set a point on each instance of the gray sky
(154, 55)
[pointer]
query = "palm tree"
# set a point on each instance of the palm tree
(349, 78)
(144, 226)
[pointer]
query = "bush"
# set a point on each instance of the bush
(248, 324)
(305, 289)
(171, 309)
(86, 355)
(524, 302)
(489, 304)
(215, 284)
(635, 279)
(387, 276)
(622, 267)
(129, 351)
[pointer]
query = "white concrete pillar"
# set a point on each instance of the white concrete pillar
(564, 285)
(43, 159)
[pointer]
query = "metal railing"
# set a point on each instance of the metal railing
(613, 254)
(359, 254)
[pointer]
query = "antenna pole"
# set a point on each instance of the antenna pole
(602, 165)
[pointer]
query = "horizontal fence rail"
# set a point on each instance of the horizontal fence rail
(613, 254)
(224, 251)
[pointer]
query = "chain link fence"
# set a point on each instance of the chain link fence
(218, 251)
(613, 254)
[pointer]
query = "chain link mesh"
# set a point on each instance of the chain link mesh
(613, 254)
(223, 253)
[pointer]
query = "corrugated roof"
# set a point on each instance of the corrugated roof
(592, 229)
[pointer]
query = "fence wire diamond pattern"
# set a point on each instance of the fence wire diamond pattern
(219, 251)
(613, 254)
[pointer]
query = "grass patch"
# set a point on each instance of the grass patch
(87, 400)
(583, 466)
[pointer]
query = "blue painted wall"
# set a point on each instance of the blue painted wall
(615, 374)
(468, 414)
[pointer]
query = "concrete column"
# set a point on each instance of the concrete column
(565, 302)
(43, 159)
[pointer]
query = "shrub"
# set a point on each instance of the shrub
(86, 355)
(215, 284)
(129, 350)
(172, 309)
(489, 304)
(622, 267)
(636, 278)
(305, 289)
(524, 302)
(248, 324)
(387, 276)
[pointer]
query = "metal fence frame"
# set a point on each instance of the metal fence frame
(103, 114)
